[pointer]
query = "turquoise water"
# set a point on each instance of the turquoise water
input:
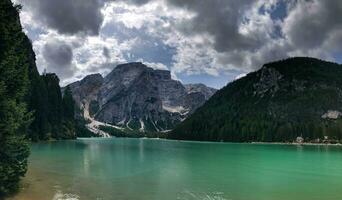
(162, 170)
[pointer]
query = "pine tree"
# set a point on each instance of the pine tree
(14, 118)
(68, 105)
(55, 107)
(69, 125)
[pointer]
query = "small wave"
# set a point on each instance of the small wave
(60, 196)
(188, 195)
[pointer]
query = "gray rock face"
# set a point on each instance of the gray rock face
(86, 90)
(137, 97)
(269, 81)
(201, 88)
(197, 95)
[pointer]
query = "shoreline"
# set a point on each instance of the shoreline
(263, 143)
(299, 144)
(222, 142)
(196, 141)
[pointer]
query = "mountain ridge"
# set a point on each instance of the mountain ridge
(136, 97)
(278, 103)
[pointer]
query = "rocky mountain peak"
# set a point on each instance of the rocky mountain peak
(135, 96)
(200, 88)
(92, 79)
(162, 74)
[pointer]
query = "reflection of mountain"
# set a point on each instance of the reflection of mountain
(137, 97)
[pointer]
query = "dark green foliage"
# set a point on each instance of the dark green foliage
(94, 107)
(68, 105)
(14, 118)
(55, 107)
(22, 89)
(280, 102)
(13, 154)
(53, 115)
(37, 99)
(60, 112)
(44, 100)
(82, 131)
(38, 104)
(134, 124)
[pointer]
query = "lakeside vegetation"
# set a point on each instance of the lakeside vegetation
(32, 107)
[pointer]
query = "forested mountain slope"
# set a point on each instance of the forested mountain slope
(281, 101)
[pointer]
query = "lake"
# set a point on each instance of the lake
(148, 169)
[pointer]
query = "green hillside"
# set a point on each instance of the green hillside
(281, 101)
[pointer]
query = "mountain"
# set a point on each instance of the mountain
(136, 97)
(296, 97)
(200, 88)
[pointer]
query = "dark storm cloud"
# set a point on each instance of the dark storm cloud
(68, 16)
(313, 22)
(219, 18)
(137, 2)
(58, 53)
(71, 16)
(307, 24)
(58, 57)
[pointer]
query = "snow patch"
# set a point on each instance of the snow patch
(174, 109)
(127, 124)
(332, 114)
(142, 125)
(122, 122)
(94, 125)
(155, 126)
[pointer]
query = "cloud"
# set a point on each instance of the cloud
(192, 38)
(220, 19)
(58, 53)
(68, 16)
(311, 23)
(72, 57)
(106, 52)
(58, 58)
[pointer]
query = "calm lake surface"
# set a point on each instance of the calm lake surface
(148, 169)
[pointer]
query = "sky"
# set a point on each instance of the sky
(199, 41)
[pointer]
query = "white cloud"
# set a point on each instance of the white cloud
(202, 37)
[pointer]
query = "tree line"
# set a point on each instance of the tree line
(32, 106)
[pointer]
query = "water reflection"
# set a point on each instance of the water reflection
(158, 169)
